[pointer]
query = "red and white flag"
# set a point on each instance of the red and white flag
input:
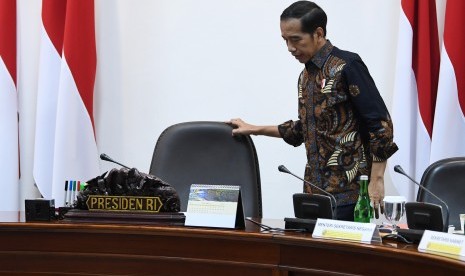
(75, 151)
(415, 88)
(9, 151)
(449, 121)
(52, 31)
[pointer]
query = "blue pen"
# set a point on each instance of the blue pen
(68, 197)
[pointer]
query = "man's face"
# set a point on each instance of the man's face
(303, 46)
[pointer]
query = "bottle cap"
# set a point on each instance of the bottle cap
(364, 177)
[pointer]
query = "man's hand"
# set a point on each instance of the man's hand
(376, 193)
(243, 128)
(376, 187)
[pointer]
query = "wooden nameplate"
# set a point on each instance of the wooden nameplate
(162, 218)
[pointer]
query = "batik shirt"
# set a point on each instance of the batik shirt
(343, 122)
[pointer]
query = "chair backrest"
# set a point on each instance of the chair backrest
(207, 153)
(446, 179)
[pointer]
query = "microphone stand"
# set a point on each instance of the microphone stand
(398, 169)
(105, 157)
(283, 169)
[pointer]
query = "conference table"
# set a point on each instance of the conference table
(70, 248)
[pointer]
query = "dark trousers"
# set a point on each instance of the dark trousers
(346, 212)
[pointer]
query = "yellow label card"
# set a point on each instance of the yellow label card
(344, 230)
(442, 243)
(342, 235)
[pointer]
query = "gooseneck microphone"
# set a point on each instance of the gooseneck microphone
(105, 157)
(398, 169)
(283, 169)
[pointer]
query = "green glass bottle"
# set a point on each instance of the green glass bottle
(363, 211)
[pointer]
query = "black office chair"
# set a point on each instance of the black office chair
(446, 179)
(207, 153)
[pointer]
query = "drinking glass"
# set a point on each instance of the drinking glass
(394, 208)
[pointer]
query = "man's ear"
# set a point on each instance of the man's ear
(320, 34)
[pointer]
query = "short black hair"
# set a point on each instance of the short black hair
(310, 14)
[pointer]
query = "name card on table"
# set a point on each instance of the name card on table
(215, 206)
(124, 203)
(344, 230)
(440, 242)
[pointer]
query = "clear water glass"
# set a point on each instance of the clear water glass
(394, 209)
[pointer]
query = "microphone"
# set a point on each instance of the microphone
(398, 169)
(283, 169)
(105, 157)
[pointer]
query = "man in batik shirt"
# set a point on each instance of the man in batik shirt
(343, 121)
